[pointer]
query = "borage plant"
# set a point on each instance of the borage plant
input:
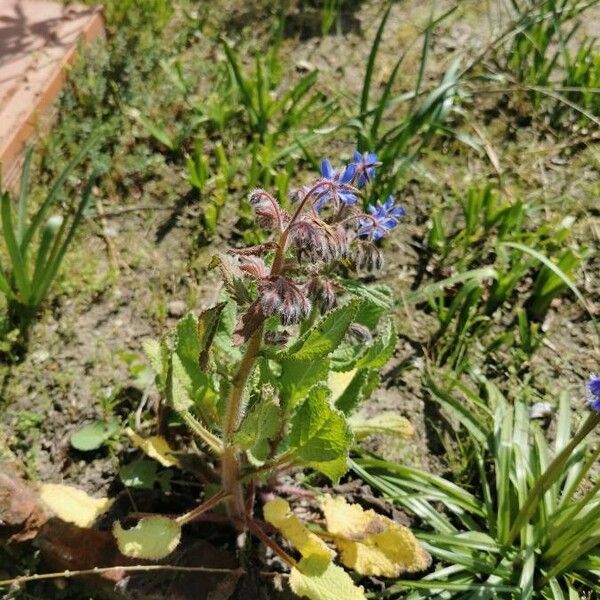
(256, 379)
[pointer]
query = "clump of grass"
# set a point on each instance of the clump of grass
(561, 82)
(524, 524)
(36, 244)
(528, 267)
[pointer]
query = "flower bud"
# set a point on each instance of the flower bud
(369, 257)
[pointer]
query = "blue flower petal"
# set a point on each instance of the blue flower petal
(326, 169)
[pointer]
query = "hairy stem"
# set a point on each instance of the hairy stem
(231, 458)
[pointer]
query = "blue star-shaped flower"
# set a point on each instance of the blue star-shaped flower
(335, 185)
(384, 217)
(593, 387)
(365, 167)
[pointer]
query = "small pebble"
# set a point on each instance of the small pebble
(176, 308)
(541, 410)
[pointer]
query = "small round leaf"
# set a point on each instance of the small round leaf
(94, 435)
(152, 538)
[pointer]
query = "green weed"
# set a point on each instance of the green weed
(398, 137)
(530, 267)
(36, 244)
(562, 82)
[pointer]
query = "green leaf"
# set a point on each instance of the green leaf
(208, 324)
(93, 436)
(232, 281)
(158, 355)
(152, 538)
(378, 295)
(319, 436)
(333, 469)
(143, 474)
(224, 334)
(187, 376)
(258, 427)
(187, 344)
(299, 376)
(363, 384)
(327, 334)
(381, 350)
(19, 265)
(157, 131)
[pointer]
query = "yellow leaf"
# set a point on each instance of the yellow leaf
(372, 544)
(338, 382)
(73, 505)
(155, 447)
(388, 422)
(317, 578)
(279, 514)
(152, 538)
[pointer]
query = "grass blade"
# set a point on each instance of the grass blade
(546, 261)
(19, 268)
(56, 260)
(40, 215)
(366, 88)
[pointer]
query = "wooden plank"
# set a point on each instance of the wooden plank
(38, 40)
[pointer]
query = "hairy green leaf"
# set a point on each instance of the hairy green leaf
(258, 427)
(299, 376)
(158, 355)
(362, 385)
(208, 323)
(327, 334)
(319, 436)
(382, 349)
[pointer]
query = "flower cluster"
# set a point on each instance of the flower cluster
(293, 273)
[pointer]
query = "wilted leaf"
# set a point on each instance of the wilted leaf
(388, 422)
(317, 578)
(155, 447)
(93, 436)
(152, 538)
(280, 515)
(21, 513)
(258, 427)
(372, 544)
(319, 434)
(326, 335)
(73, 505)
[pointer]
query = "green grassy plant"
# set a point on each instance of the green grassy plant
(563, 82)
(530, 268)
(382, 126)
(36, 243)
(524, 524)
